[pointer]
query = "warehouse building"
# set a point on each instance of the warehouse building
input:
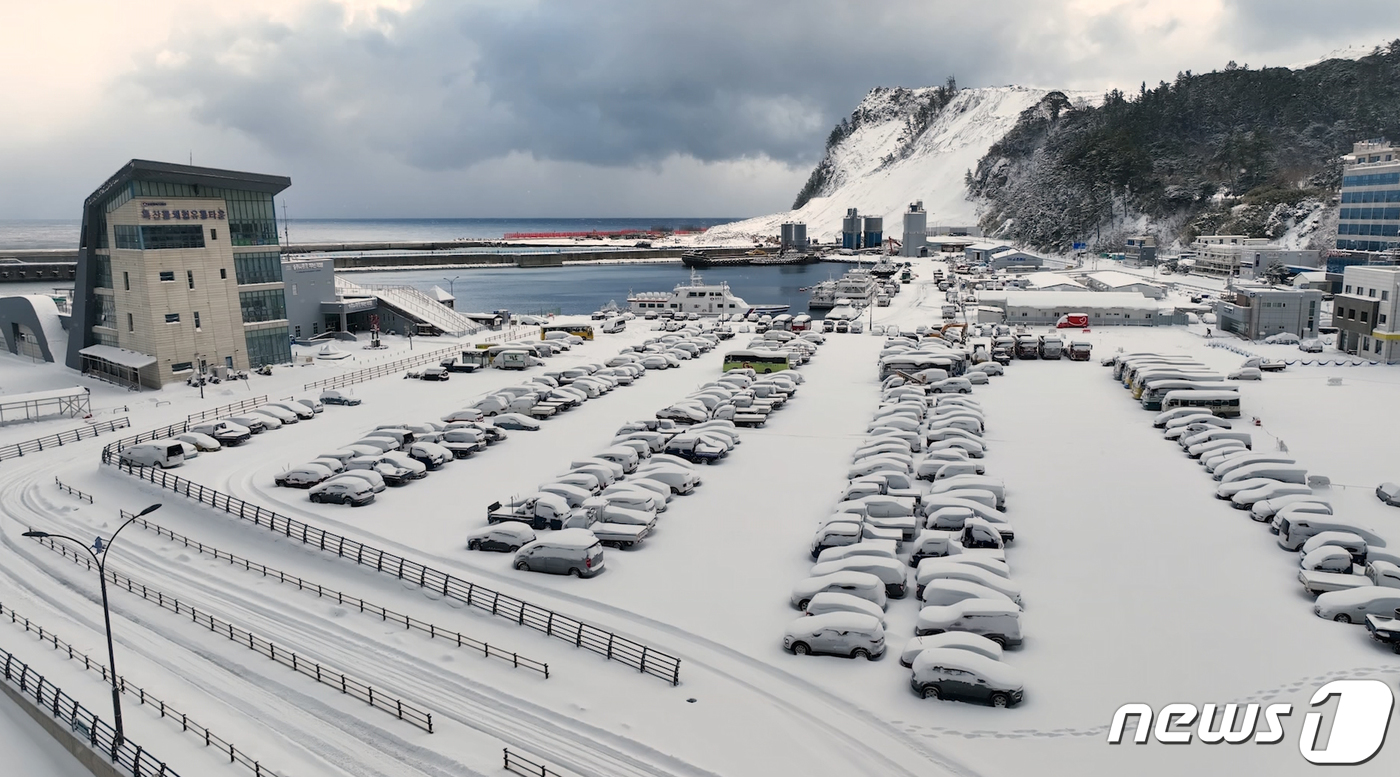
(179, 272)
(1256, 311)
(1102, 308)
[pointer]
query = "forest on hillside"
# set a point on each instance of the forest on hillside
(1221, 152)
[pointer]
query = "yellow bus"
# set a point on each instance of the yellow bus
(582, 330)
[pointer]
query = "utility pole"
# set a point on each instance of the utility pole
(286, 227)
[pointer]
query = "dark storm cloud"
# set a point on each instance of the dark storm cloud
(612, 82)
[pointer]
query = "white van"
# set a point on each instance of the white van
(892, 572)
(162, 455)
(614, 325)
(1296, 528)
(995, 619)
(949, 485)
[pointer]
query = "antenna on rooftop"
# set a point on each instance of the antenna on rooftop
(286, 228)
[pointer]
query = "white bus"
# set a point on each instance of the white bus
(1225, 404)
(1155, 390)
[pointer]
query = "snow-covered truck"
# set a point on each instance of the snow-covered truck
(615, 526)
(1380, 573)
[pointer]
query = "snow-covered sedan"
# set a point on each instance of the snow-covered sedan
(305, 476)
(1352, 606)
(503, 537)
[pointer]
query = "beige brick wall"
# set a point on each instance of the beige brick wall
(141, 310)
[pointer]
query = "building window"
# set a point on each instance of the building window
(167, 276)
(298, 332)
(213, 235)
(174, 236)
(172, 318)
(189, 277)
(1385, 295)
(257, 306)
(1363, 316)
(127, 236)
(263, 267)
(130, 323)
(1380, 319)
(126, 280)
(223, 273)
(1371, 293)
(106, 311)
(1365, 343)
(104, 272)
(182, 367)
(196, 319)
(268, 346)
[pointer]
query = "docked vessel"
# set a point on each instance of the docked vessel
(885, 268)
(823, 296)
(699, 260)
(856, 287)
(705, 299)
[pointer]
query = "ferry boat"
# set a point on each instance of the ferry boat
(856, 287)
(705, 299)
(823, 296)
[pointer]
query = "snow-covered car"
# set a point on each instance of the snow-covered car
(302, 412)
(678, 480)
(990, 368)
(976, 377)
(958, 640)
(957, 568)
(1246, 373)
(342, 490)
(305, 476)
(834, 601)
(995, 619)
(963, 675)
(224, 430)
(336, 466)
(623, 495)
(504, 537)
(1312, 345)
(848, 634)
(946, 592)
(375, 480)
(860, 584)
(1389, 493)
(876, 548)
(316, 405)
(516, 422)
(1353, 605)
(201, 442)
(430, 454)
(282, 414)
(256, 423)
(336, 397)
(468, 414)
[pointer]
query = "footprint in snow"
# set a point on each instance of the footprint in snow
(338, 612)
(182, 557)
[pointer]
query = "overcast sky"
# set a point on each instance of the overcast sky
(487, 108)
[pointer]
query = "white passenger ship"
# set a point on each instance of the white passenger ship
(705, 299)
(857, 287)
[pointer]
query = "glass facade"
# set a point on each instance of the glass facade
(126, 236)
(252, 219)
(174, 236)
(1369, 219)
(258, 306)
(268, 346)
(1372, 179)
(103, 277)
(261, 267)
(106, 311)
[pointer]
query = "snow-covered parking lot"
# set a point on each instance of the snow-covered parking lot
(1139, 585)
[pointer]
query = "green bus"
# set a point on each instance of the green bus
(760, 362)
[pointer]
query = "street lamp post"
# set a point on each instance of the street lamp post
(106, 613)
(452, 284)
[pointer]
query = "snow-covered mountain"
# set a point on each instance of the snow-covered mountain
(901, 147)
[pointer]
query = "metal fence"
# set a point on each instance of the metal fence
(613, 646)
(72, 490)
(409, 622)
(226, 410)
(126, 755)
(379, 371)
(112, 448)
(16, 450)
(325, 675)
(519, 764)
(140, 694)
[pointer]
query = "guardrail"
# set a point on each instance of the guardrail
(226, 410)
(379, 371)
(519, 764)
(1308, 362)
(73, 491)
(65, 709)
(146, 699)
(514, 333)
(613, 646)
(487, 650)
(350, 686)
(16, 450)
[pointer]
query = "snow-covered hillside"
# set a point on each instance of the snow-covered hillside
(880, 169)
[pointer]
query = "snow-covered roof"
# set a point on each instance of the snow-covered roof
(1115, 279)
(440, 294)
(1044, 280)
(985, 246)
(40, 396)
(1065, 300)
(1310, 276)
(121, 356)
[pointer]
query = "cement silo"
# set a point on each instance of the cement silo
(794, 236)
(915, 230)
(874, 232)
(850, 229)
(785, 240)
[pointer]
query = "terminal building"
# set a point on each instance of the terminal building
(1369, 219)
(179, 272)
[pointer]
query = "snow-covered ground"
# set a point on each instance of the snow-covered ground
(1139, 585)
(29, 749)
